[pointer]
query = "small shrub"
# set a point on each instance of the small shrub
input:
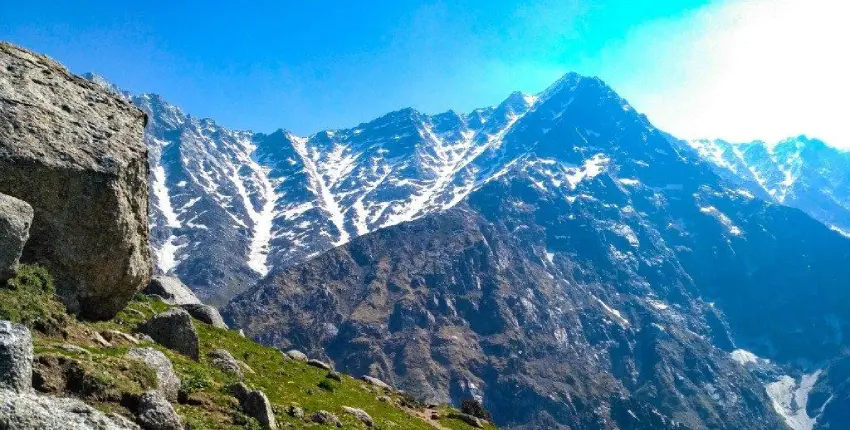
(32, 277)
(327, 385)
(28, 298)
(475, 408)
(194, 383)
(409, 401)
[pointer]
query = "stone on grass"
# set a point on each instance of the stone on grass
(174, 330)
(320, 364)
(377, 382)
(295, 411)
(325, 418)
(168, 383)
(206, 314)
(469, 419)
(171, 290)
(153, 412)
(224, 361)
(360, 414)
(255, 404)
(296, 355)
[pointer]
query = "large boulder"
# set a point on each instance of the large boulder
(174, 330)
(32, 411)
(206, 314)
(15, 220)
(168, 383)
(75, 153)
(255, 404)
(15, 357)
(171, 290)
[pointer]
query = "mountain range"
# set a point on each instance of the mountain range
(556, 256)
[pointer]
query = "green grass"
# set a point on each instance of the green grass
(206, 402)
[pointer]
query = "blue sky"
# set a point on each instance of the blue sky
(311, 65)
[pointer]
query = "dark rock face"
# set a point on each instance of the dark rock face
(16, 355)
(174, 330)
(75, 153)
(15, 220)
(602, 279)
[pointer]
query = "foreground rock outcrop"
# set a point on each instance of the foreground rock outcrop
(31, 411)
(15, 220)
(75, 153)
(21, 408)
(15, 357)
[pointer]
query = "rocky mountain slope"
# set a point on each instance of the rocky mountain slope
(229, 206)
(596, 275)
(800, 172)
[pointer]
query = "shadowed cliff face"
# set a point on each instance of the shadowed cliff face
(600, 279)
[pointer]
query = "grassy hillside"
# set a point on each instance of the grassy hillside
(104, 376)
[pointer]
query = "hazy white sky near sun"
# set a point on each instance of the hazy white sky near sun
(742, 70)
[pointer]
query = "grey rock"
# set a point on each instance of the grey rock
(153, 412)
(325, 418)
(15, 357)
(122, 421)
(469, 419)
(144, 338)
(32, 411)
(74, 349)
(75, 153)
(15, 221)
(360, 414)
(320, 364)
(168, 383)
(255, 404)
(296, 355)
(295, 411)
(99, 340)
(224, 361)
(206, 314)
(334, 375)
(171, 290)
(174, 330)
(377, 382)
(115, 336)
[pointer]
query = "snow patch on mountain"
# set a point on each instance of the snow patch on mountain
(322, 189)
(790, 398)
(743, 356)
